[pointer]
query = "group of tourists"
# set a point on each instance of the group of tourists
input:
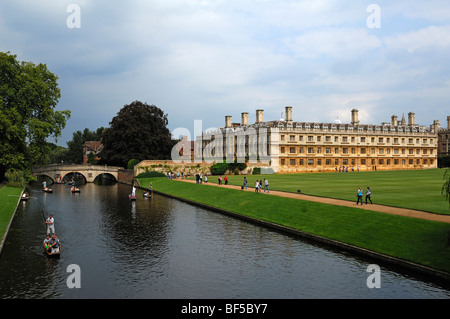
(199, 178)
(260, 184)
(359, 196)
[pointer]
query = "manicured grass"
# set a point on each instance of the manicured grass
(415, 189)
(419, 241)
(9, 197)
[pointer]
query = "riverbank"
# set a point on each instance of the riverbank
(416, 244)
(9, 199)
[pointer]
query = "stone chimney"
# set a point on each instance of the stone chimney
(355, 120)
(244, 118)
(434, 128)
(411, 118)
(289, 114)
(228, 121)
(448, 122)
(394, 120)
(259, 116)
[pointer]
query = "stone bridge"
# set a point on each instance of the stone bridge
(89, 172)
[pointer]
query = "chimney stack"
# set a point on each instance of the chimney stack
(244, 118)
(355, 120)
(411, 118)
(448, 122)
(394, 120)
(228, 121)
(289, 114)
(259, 116)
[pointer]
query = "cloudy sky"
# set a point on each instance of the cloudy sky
(202, 59)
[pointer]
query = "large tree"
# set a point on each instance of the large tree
(139, 131)
(29, 94)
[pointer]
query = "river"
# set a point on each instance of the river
(161, 248)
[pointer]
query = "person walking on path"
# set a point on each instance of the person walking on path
(256, 186)
(245, 182)
(266, 185)
(368, 194)
(50, 224)
(359, 195)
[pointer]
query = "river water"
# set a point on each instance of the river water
(161, 248)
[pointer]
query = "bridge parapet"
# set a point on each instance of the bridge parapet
(89, 172)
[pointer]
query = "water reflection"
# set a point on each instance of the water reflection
(163, 248)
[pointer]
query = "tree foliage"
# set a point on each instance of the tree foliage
(29, 94)
(138, 131)
(75, 146)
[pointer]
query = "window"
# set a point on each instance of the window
(282, 161)
(336, 150)
(363, 139)
(380, 140)
(327, 138)
(345, 150)
(328, 162)
(282, 150)
(291, 138)
(318, 138)
(363, 150)
(310, 138)
(292, 161)
(328, 150)
(336, 139)
(310, 150)
(381, 151)
(310, 162)
(282, 137)
(291, 149)
(344, 139)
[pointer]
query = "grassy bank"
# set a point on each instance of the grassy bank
(415, 189)
(9, 196)
(414, 240)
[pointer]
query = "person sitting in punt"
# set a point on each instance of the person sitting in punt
(46, 240)
(53, 243)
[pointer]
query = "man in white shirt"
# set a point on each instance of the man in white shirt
(50, 224)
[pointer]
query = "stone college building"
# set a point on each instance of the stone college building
(293, 147)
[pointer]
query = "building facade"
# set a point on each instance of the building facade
(293, 147)
(444, 140)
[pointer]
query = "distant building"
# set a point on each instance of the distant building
(91, 147)
(294, 147)
(444, 140)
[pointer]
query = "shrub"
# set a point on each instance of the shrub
(132, 162)
(219, 168)
(15, 178)
(256, 171)
(149, 174)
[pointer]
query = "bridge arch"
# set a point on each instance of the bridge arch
(105, 176)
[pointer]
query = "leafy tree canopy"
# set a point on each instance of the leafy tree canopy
(29, 94)
(138, 131)
(75, 146)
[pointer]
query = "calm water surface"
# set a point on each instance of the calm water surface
(163, 248)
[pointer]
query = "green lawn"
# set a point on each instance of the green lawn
(9, 197)
(420, 241)
(416, 189)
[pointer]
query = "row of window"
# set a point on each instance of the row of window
(353, 162)
(353, 150)
(353, 139)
